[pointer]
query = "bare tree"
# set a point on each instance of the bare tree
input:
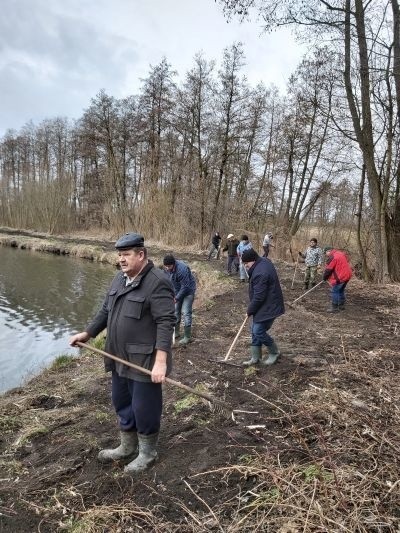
(360, 29)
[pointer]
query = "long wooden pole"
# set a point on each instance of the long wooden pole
(309, 290)
(235, 339)
(148, 372)
(295, 268)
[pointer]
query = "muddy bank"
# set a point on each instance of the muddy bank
(314, 444)
(91, 248)
(101, 251)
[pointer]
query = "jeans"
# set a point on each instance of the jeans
(310, 275)
(138, 404)
(259, 335)
(337, 293)
(184, 307)
(243, 271)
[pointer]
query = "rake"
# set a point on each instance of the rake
(228, 353)
(295, 270)
(305, 293)
(215, 405)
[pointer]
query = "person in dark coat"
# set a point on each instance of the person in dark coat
(215, 246)
(139, 314)
(266, 304)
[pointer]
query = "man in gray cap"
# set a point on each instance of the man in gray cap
(139, 315)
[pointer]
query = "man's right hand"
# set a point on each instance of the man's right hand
(79, 337)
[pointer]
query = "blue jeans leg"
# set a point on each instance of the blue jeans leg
(337, 293)
(242, 270)
(178, 312)
(187, 307)
(138, 404)
(259, 335)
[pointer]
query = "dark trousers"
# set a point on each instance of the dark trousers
(266, 250)
(233, 262)
(337, 293)
(259, 335)
(138, 404)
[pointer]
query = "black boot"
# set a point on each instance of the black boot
(306, 286)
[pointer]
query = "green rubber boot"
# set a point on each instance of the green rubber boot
(334, 308)
(177, 331)
(147, 454)
(127, 448)
(255, 356)
(273, 356)
(187, 336)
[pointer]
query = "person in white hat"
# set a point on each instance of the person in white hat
(231, 247)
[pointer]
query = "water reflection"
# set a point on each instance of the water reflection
(43, 299)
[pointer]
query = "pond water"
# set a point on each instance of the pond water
(44, 298)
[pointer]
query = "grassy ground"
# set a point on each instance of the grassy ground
(312, 444)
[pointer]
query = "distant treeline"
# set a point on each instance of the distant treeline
(178, 161)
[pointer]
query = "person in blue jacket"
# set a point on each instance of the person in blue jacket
(266, 304)
(185, 288)
(244, 244)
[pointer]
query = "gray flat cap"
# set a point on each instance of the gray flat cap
(129, 240)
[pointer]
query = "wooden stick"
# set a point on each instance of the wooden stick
(295, 268)
(235, 339)
(309, 290)
(148, 372)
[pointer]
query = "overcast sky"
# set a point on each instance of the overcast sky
(55, 55)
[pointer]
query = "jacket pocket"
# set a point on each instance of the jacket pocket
(140, 354)
(110, 299)
(134, 307)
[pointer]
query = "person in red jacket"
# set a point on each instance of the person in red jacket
(337, 273)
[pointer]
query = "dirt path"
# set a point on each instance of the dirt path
(315, 446)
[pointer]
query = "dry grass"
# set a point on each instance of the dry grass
(334, 467)
(346, 475)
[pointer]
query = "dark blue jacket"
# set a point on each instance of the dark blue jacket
(182, 280)
(266, 298)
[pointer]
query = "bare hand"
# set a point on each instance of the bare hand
(79, 337)
(158, 372)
